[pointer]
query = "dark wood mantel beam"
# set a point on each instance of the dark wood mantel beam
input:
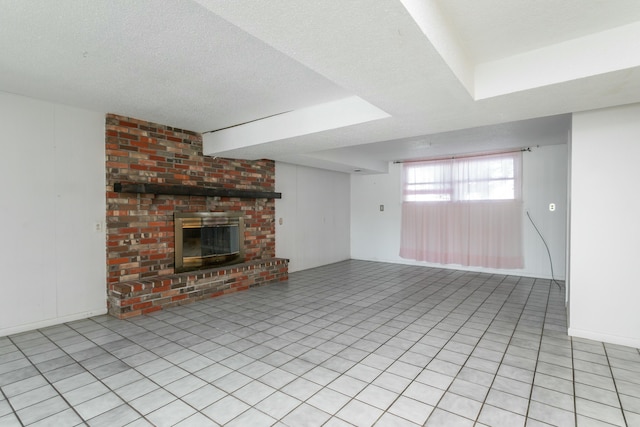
(189, 190)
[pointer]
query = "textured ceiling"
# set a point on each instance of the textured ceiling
(497, 67)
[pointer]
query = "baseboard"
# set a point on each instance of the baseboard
(521, 273)
(50, 322)
(608, 338)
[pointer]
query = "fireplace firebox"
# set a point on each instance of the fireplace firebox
(208, 239)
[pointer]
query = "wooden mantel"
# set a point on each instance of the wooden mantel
(190, 190)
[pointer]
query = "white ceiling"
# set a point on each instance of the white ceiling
(442, 76)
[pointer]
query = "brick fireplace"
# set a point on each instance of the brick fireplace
(154, 171)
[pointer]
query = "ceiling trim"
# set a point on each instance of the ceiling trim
(600, 53)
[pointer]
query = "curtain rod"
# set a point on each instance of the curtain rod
(463, 156)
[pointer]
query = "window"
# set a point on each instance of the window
(494, 177)
(465, 211)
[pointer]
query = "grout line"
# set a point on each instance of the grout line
(535, 368)
(47, 380)
(615, 386)
(504, 353)
(6, 398)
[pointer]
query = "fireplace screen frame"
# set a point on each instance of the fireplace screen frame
(191, 220)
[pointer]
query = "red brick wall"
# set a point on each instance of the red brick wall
(140, 226)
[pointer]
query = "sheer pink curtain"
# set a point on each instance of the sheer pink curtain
(464, 211)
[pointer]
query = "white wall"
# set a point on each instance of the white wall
(314, 211)
(605, 225)
(53, 180)
(375, 235)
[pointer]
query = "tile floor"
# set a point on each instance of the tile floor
(353, 343)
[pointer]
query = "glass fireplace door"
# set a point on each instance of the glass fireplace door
(208, 239)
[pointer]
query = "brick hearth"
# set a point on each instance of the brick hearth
(140, 233)
(128, 299)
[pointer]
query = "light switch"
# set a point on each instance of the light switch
(381, 208)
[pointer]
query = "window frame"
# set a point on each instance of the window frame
(452, 180)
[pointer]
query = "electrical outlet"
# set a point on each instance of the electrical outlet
(381, 208)
(552, 207)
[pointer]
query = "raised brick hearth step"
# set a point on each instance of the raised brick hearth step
(133, 298)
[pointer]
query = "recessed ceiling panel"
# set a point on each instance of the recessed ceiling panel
(494, 29)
